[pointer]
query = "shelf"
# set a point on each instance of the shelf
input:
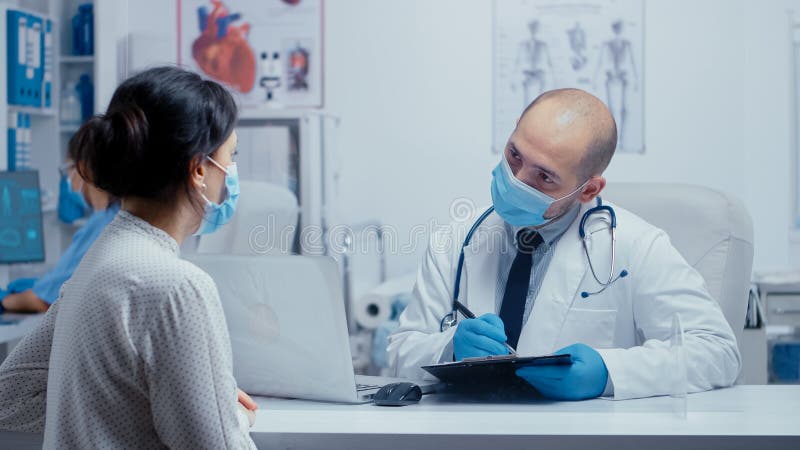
(49, 207)
(267, 112)
(77, 59)
(32, 110)
(68, 129)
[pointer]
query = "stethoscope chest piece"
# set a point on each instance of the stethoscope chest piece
(448, 321)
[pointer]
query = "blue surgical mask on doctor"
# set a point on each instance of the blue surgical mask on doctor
(517, 203)
(216, 215)
(71, 203)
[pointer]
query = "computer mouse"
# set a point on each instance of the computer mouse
(398, 394)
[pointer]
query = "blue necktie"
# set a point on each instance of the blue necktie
(519, 277)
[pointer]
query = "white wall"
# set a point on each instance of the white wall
(411, 81)
(152, 38)
(768, 141)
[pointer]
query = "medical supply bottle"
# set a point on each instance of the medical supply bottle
(70, 105)
(83, 30)
(85, 90)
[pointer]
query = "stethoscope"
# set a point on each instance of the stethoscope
(451, 319)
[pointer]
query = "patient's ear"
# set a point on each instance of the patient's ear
(197, 173)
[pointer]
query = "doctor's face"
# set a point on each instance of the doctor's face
(545, 152)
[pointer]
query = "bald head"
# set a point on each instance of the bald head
(580, 116)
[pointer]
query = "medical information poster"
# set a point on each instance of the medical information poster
(265, 51)
(597, 46)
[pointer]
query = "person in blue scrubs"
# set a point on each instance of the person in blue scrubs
(76, 198)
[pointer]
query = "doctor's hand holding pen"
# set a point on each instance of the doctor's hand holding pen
(484, 336)
(585, 378)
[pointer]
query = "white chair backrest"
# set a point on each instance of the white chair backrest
(265, 223)
(711, 230)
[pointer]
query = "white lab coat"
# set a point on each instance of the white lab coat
(629, 324)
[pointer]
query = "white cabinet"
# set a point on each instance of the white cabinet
(782, 309)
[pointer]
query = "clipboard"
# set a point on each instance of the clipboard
(492, 370)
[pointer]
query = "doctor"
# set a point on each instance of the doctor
(528, 280)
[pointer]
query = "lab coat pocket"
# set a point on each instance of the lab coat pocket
(593, 327)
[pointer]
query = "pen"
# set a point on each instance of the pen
(469, 315)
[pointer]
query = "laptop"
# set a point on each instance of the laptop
(286, 320)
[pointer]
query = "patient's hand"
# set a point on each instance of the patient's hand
(247, 406)
(246, 400)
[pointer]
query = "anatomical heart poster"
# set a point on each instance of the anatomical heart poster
(267, 52)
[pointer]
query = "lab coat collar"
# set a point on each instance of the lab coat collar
(480, 271)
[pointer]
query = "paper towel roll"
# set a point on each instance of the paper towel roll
(372, 309)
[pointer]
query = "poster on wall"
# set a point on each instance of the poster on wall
(594, 45)
(268, 52)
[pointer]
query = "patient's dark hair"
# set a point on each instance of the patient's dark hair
(158, 124)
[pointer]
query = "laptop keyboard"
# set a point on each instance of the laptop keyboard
(366, 387)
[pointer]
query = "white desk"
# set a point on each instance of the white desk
(14, 331)
(743, 417)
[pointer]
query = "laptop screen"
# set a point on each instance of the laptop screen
(21, 238)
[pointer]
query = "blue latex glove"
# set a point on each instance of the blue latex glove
(21, 285)
(479, 337)
(585, 378)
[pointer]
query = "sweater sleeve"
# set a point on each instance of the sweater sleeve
(189, 371)
(23, 378)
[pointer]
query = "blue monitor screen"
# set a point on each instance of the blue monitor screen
(21, 237)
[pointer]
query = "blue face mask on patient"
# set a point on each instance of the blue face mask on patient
(217, 215)
(71, 204)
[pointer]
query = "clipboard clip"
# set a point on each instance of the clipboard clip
(490, 358)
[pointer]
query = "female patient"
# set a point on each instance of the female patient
(136, 353)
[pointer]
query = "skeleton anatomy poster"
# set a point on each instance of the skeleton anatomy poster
(265, 51)
(594, 45)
